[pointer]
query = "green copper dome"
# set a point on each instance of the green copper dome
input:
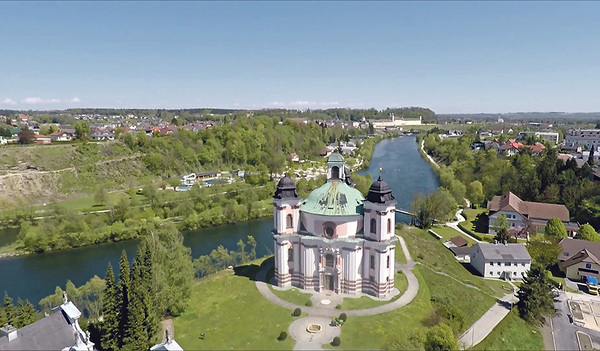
(334, 198)
(335, 157)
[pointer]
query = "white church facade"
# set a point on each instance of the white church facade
(335, 239)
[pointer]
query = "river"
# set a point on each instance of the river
(33, 277)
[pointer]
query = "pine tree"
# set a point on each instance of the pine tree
(149, 303)
(136, 336)
(25, 313)
(536, 297)
(9, 309)
(123, 300)
(110, 312)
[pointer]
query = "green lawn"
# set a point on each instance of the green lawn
(292, 295)
(88, 203)
(376, 332)
(231, 312)
(512, 333)
(448, 233)
(366, 302)
(400, 254)
(477, 220)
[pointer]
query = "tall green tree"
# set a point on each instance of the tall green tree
(555, 229)
(242, 256)
(136, 336)
(501, 228)
(252, 245)
(440, 338)
(587, 232)
(25, 313)
(9, 309)
(544, 253)
(151, 319)
(110, 310)
(101, 195)
(124, 292)
(440, 205)
(536, 297)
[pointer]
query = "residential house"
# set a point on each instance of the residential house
(548, 136)
(460, 249)
(3, 140)
(579, 258)
(294, 157)
(503, 261)
(206, 175)
(522, 215)
(41, 139)
(62, 136)
(59, 330)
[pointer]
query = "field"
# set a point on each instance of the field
(233, 315)
(512, 333)
(227, 307)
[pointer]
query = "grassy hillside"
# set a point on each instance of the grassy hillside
(42, 173)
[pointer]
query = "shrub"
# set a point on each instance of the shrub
(282, 336)
(343, 317)
(308, 303)
(297, 312)
(336, 341)
(338, 307)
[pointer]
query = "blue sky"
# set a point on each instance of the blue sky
(449, 56)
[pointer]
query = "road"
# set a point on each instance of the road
(564, 332)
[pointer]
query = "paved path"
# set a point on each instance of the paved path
(454, 225)
(484, 325)
(323, 314)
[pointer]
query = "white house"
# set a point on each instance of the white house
(61, 136)
(335, 240)
(59, 330)
(505, 261)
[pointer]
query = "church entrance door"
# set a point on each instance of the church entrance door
(328, 284)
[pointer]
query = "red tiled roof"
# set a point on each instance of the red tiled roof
(531, 210)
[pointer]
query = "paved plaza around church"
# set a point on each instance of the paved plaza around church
(323, 309)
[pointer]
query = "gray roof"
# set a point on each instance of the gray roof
(50, 333)
(502, 252)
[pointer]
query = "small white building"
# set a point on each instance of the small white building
(503, 261)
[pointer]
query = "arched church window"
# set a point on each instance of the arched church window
(335, 172)
(329, 260)
(329, 230)
(373, 226)
(388, 262)
(291, 254)
(372, 262)
(289, 221)
(390, 225)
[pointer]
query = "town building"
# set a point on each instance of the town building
(335, 240)
(393, 123)
(548, 136)
(583, 137)
(579, 258)
(169, 344)
(503, 261)
(62, 136)
(526, 215)
(59, 330)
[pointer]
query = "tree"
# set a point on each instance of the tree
(136, 337)
(26, 137)
(150, 193)
(123, 290)
(174, 182)
(587, 232)
(110, 325)
(555, 229)
(243, 258)
(9, 309)
(440, 338)
(25, 313)
(590, 160)
(544, 253)
(82, 130)
(536, 297)
(501, 228)
(475, 192)
(101, 195)
(174, 271)
(252, 245)
(440, 205)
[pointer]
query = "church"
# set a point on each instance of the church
(335, 240)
